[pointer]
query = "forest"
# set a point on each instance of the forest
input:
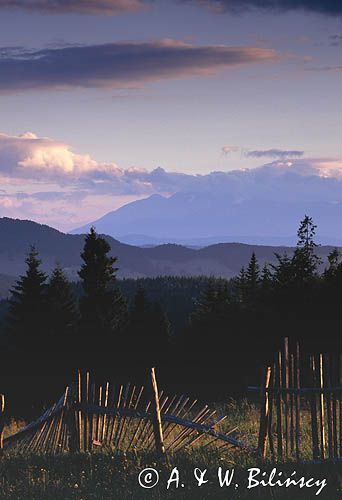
(202, 330)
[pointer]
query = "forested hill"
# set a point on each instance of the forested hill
(53, 246)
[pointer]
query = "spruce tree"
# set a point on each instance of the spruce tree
(252, 278)
(305, 262)
(27, 311)
(61, 307)
(103, 309)
(334, 264)
(266, 278)
(241, 285)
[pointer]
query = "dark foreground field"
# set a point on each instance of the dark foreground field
(108, 474)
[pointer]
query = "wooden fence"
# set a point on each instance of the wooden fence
(89, 416)
(301, 407)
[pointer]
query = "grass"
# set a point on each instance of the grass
(108, 474)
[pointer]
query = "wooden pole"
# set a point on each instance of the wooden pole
(264, 414)
(297, 401)
(321, 408)
(340, 404)
(279, 408)
(314, 426)
(328, 401)
(157, 423)
(292, 422)
(2, 420)
(286, 395)
(270, 411)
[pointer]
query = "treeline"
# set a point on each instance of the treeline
(50, 314)
(263, 305)
(196, 323)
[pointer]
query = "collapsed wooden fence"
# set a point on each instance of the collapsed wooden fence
(301, 407)
(89, 417)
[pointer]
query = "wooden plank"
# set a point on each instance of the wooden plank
(334, 381)
(326, 361)
(279, 407)
(270, 416)
(313, 406)
(340, 405)
(2, 420)
(157, 423)
(297, 402)
(321, 408)
(286, 395)
(264, 414)
(291, 396)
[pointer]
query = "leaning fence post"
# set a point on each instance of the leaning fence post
(157, 423)
(264, 413)
(2, 420)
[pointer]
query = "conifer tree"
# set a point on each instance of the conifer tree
(103, 309)
(27, 311)
(305, 262)
(61, 307)
(283, 271)
(334, 263)
(252, 278)
(241, 285)
(212, 307)
(266, 278)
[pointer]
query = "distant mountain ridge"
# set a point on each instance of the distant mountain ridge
(187, 217)
(224, 259)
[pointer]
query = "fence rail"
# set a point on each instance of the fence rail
(124, 417)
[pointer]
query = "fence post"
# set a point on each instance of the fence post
(264, 413)
(157, 423)
(2, 420)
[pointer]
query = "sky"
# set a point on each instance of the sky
(96, 97)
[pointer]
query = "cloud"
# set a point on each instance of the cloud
(227, 150)
(334, 69)
(328, 7)
(118, 65)
(274, 153)
(28, 158)
(107, 7)
(336, 40)
(45, 180)
(113, 7)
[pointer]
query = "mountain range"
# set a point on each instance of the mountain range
(204, 217)
(224, 259)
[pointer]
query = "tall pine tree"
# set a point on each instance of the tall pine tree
(305, 262)
(103, 309)
(27, 312)
(252, 279)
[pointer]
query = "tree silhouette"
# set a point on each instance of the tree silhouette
(61, 308)
(103, 309)
(305, 262)
(252, 279)
(27, 310)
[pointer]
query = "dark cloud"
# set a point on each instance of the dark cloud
(274, 153)
(330, 7)
(110, 7)
(335, 40)
(118, 65)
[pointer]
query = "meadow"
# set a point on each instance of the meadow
(110, 474)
